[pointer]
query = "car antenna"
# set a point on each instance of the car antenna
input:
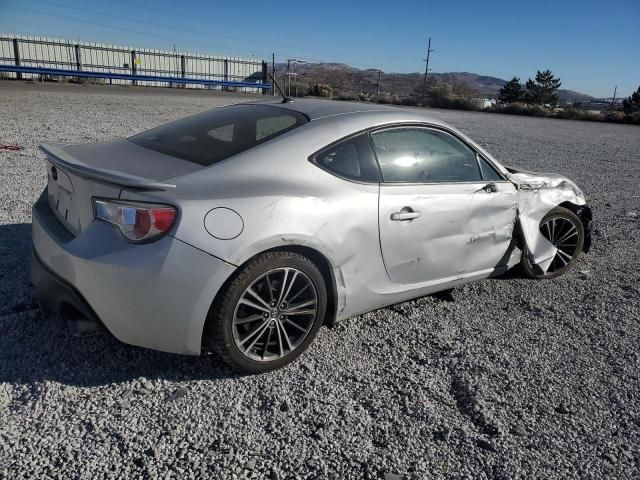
(285, 99)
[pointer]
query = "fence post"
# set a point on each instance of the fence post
(134, 68)
(78, 58)
(16, 55)
(183, 69)
(226, 73)
(264, 76)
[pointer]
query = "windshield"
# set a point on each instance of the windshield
(216, 135)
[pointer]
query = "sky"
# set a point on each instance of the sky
(592, 45)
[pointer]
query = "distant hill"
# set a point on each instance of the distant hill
(347, 78)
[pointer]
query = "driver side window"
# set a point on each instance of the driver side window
(424, 155)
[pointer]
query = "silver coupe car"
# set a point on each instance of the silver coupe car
(242, 230)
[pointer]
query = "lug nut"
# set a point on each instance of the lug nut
(265, 315)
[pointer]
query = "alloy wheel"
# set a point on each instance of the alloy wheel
(275, 314)
(564, 235)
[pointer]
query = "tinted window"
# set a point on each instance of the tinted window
(266, 127)
(488, 172)
(352, 158)
(417, 155)
(212, 136)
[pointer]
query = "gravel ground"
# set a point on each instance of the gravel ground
(508, 378)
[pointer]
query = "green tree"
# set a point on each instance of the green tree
(511, 92)
(543, 90)
(632, 104)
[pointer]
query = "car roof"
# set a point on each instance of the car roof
(315, 108)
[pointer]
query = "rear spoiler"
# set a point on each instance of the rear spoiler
(57, 155)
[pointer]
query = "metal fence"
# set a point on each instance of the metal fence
(38, 52)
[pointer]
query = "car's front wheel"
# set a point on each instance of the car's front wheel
(564, 230)
(269, 312)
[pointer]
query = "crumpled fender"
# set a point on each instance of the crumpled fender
(538, 194)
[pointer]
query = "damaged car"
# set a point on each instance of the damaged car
(242, 230)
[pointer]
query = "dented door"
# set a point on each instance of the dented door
(423, 230)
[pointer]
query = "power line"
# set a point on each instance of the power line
(173, 13)
(125, 29)
(121, 17)
(250, 51)
(163, 26)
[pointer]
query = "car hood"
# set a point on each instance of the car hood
(531, 181)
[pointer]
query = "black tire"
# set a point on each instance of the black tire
(221, 327)
(557, 266)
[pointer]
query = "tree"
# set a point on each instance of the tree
(542, 90)
(632, 104)
(511, 91)
(462, 90)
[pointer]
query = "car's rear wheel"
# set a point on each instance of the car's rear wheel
(269, 312)
(564, 230)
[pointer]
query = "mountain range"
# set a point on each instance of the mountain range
(344, 77)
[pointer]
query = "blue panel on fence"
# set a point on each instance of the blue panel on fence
(123, 76)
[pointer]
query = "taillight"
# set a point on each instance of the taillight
(138, 222)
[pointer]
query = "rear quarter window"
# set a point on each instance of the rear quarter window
(352, 159)
(213, 136)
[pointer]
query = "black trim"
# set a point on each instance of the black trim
(56, 295)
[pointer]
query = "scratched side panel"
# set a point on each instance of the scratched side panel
(490, 227)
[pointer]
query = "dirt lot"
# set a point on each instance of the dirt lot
(511, 378)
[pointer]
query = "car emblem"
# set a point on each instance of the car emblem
(54, 173)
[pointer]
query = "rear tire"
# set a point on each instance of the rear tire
(269, 313)
(564, 229)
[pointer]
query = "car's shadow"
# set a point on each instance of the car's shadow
(35, 345)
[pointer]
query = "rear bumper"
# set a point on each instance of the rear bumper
(56, 295)
(154, 295)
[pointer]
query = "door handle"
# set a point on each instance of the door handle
(406, 213)
(490, 188)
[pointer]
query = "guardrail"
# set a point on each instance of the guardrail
(123, 76)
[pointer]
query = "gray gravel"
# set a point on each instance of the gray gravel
(509, 378)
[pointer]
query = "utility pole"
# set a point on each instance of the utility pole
(273, 72)
(613, 101)
(426, 68)
(378, 87)
(288, 77)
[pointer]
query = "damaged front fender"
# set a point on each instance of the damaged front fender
(538, 194)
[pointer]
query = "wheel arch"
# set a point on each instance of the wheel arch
(318, 259)
(583, 212)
